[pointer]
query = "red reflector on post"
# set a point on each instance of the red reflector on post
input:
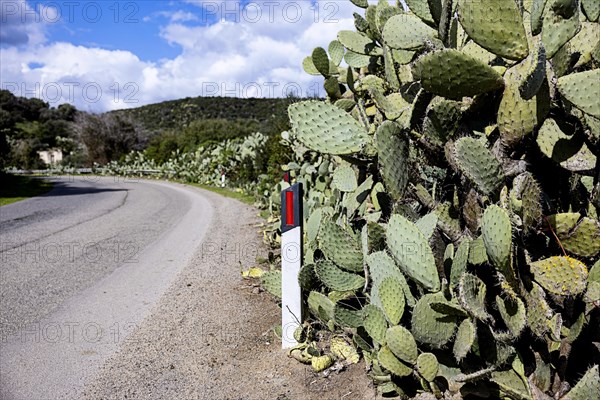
(289, 208)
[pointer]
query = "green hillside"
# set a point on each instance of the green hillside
(176, 114)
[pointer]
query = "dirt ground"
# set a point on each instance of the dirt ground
(211, 337)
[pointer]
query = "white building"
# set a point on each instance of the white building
(51, 156)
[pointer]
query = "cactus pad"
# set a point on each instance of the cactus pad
(388, 360)
(429, 326)
(344, 179)
(557, 29)
(407, 32)
(340, 247)
(392, 146)
(564, 276)
(428, 366)
(497, 27)
(337, 279)
(569, 151)
(359, 43)
(375, 323)
(382, 266)
(583, 90)
(518, 116)
(588, 387)
(324, 127)
(320, 306)
(391, 294)
(411, 250)
(579, 237)
(321, 363)
(347, 317)
(496, 231)
(478, 164)
(472, 292)
(452, 74)
(513, 314)
(465, 337)
(271, 281)
(402, 343)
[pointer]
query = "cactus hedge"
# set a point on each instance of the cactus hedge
(452, 190)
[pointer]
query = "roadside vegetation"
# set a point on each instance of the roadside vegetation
(15, 188)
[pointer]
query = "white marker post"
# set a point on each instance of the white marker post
(291, 261)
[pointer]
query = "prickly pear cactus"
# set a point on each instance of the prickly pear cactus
(451, 230)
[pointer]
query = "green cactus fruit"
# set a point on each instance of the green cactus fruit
(578, 236)
(582, 89)
(359, 43)
(382, 266)
(271, 282)
(346, 317)
(588, 387)
(564, 276)
(591, 9)
(337, 279)
(388, 360)
(429, 326)
(518, 116)
(496, 231)
(336, 52)
(374, 323)
(536, 74)
(478, 164)
(402, 343)
(321, 61)
(320, 306)
(570, 152)
(472, 292)
(344, 179)
(325, 128)
(340, 247)
(459, 264)
(453, 74)
(392, 146)
(411, 250)
(557, 30)
(391, 294)
(307, 279)
(497, 27)
(512, 311)
(511, 384)
(428, 366)
(321, 363)
(538, 310)
(407, 32)
(465, 337)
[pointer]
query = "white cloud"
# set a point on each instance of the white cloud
(251, 55)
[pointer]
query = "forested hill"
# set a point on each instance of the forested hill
(176, 114)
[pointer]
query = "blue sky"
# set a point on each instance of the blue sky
(105, 55)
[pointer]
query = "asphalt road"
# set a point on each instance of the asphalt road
(80, 268)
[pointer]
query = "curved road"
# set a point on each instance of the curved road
(80, 267)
